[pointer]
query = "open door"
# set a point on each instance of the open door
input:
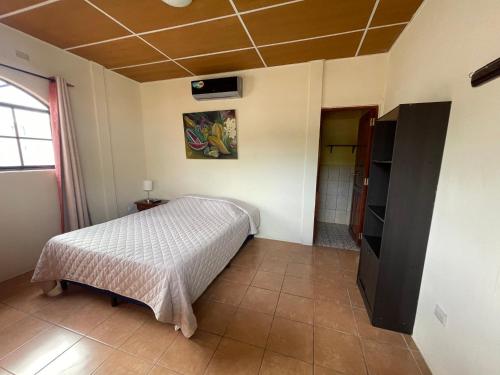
(361, 172)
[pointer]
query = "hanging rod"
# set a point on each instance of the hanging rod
(31, 73)
(332, 147)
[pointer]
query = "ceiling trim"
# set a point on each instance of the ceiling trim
(248, 32)
(375, 6)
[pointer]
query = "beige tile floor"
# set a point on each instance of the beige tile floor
(280, 308)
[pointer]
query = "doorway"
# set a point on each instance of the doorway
(343, 169)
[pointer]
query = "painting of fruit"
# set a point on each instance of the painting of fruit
(210, 135)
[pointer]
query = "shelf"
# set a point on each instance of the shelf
(382, 161)
(374, 243)
(378, 211)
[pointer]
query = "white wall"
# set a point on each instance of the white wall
(431, 61)
(278, 122)
(106, 110)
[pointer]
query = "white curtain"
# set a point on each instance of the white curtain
(72, 197)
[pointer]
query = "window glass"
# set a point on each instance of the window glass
(7, 122)
(10, 94)
(33, 124)
(37, 152)
(25, 134)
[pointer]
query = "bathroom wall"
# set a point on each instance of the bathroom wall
(336, 166)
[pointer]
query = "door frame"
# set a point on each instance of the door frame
(375, 108)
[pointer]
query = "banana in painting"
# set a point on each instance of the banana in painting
(211, 135)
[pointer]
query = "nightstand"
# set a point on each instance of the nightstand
(143, 204)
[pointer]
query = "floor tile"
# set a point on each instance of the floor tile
(238, 274)
(150, 341)
(214, 317)
(262, 300)
(349, 259)
(318, 370)
(158, 370)
(122, 363)
(225, 291)
(28, 300)
(15, 285)
(296, 308)
(331, 272)
(235, 358)
(250, 327)
(298, 287)
(190, 356)
(330, 290)
(61, 307)
(277, 266)
(268, 280)
(338, 351)
(89, 316)
(326, 255)
(40, 351)
(409, 341)
(355, 297)
(246, 260)
(422, 365)
(384, 359)
(19, 333)
(292, 339)
(367, 331)
(299, 270)
(276, 364)
(81, 359)
(117, 328)
(334, 315)
(9, 316)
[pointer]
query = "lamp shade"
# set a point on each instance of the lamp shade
(147, 185)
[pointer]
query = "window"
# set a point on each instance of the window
(25, 134)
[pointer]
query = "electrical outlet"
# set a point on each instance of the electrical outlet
(440, 315)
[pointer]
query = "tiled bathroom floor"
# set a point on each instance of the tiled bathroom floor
(334, 235)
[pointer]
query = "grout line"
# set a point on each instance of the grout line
(270, 7)
(367, 26)
(213, 53)
(99, 42)
(248, 32)
(129, 30)
(135, 65)
(31, 7)
(388, 25)
(186, 24)
(311, 38)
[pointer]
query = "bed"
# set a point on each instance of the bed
(164, 257)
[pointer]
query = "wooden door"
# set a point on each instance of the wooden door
(361, 172)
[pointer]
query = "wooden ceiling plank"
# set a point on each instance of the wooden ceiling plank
(227, 62)
(307, 19)
(66, 23)
(147, 15)
(153, 72)
(380, 40)
(395, 11)
(334, 47)
(215, 36)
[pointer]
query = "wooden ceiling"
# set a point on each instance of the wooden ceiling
(148, 40)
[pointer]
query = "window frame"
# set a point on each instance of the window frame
(12, 107)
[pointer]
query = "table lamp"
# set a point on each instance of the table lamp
(147, 186)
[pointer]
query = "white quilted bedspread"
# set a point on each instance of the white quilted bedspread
(165, 257)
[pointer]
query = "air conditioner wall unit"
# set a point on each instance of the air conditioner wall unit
(217, 88)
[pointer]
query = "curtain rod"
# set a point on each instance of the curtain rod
(31, 73)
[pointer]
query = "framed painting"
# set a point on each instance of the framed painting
(210, 135)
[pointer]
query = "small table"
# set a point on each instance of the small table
(144, 204)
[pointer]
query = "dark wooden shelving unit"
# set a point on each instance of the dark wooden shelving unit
(406, 158)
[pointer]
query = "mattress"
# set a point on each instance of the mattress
(164, 257)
